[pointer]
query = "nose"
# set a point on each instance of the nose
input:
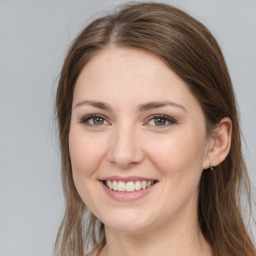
(125, 149)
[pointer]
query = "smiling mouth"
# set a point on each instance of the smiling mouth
(130, 186)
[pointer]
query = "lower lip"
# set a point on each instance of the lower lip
(127, 196)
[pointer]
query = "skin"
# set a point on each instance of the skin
(128, 141)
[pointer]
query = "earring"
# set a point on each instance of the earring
(211, 167)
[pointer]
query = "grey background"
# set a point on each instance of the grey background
(34, 36)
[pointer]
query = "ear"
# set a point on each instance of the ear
(219, 144)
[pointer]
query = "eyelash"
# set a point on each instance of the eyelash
(168, 119)
(85, 120)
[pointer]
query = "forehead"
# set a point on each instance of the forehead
(132, 76)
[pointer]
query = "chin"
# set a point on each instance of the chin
(128, 228)
(130, 223)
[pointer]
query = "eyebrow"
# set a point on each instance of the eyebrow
(159, 104)
(141, 107)
(96, 104)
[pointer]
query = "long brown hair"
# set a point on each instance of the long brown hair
(191, 51)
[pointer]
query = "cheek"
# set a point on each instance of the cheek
(85, 153)
(179, 160)
(178, 154)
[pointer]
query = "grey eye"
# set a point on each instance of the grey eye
(98, 120)
(160, 121)
(94, 120)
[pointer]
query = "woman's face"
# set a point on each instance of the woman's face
(138, 142)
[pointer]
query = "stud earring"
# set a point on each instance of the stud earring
(211, 167)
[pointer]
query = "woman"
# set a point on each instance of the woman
(150, 140)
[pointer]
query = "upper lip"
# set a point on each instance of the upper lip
(126, 179)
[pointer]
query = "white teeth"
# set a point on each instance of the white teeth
(130, 186)
(121, 186)
(109, 184)
(143, 184)
(137, 185)
(114, 185)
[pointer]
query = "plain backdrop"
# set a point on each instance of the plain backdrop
(34, 36)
